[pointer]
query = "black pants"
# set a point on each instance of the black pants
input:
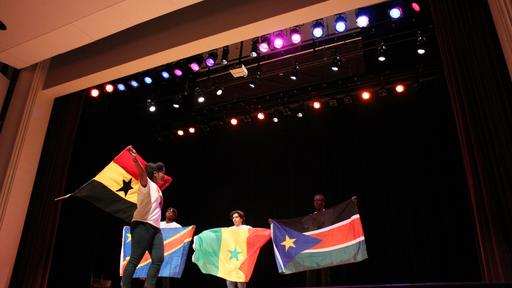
(318, 277)
(145, 237)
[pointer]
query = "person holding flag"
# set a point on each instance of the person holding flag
(145, 225)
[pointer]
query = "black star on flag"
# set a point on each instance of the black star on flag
(127, 186)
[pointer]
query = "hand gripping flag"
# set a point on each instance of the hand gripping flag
(332, 237)
(115, 188)
(229, 253)
(176, 244)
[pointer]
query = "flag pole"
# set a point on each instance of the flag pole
(62, 197)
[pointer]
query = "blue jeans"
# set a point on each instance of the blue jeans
(145, 237)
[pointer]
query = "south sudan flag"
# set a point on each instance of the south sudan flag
(332, 237)
(115, 188)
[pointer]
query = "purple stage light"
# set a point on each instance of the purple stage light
(209, 62)
(278, 41)
(194, 66)
(295, 36)
(177, 72)
(263, 47)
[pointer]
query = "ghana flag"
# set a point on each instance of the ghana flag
(176, 244)
(332, 237)
(229, 253)
(115, 188)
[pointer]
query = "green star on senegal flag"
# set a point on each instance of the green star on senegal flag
(229, 253)
(115, 188)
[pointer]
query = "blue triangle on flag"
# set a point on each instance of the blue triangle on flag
(289, 243)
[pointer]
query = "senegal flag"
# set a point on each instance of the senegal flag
(115, 188)
(332, 237)
(229, 253)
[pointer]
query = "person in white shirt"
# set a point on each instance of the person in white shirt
(238, 218)
(145, 226)
(171, 214)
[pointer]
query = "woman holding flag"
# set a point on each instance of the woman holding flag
(145, 226)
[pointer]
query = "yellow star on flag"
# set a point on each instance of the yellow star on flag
(288, 242)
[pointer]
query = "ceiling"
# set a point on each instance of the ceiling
(113, 35)
(38, 30)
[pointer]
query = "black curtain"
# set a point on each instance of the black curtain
(37, 241)
(399, 154)
(480, 91)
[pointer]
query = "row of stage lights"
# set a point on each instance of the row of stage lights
(263, 45)
(316, 105)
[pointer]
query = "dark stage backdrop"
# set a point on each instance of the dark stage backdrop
(399, 155)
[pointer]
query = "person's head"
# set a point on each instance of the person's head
(155, 171)
(171, 214)
(319, 202)
(238, 217)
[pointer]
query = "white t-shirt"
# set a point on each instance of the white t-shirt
(149, 204)
(164, 224)
(241, 226)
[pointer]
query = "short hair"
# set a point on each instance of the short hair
(172, 208)
(154, 167)
(240, 213)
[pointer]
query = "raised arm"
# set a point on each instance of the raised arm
(143, 179)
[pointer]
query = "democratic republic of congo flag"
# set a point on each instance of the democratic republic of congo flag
(229, 253)
(115, 188)
(332, 237)
(176, 244)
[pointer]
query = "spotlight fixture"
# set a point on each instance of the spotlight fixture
(420, 44)
(109, 88)
(191, 130)
(365, 95)
(151, 105)
(233, 121)
(261, 115)
(336, 64)
(148, 80)
(219, 91)
(294, 75)
(317, 105)
(225, 55)
(382, 92)
(278, 41)
(254, 48)
(362, 20)
(416, 7)
(94, 92)
(180, 132)
(400, 88)
(165, 74)
(121, 87)
(177, 72)
(395, 12)
(200, 99)
(381, 52)
(318, 29)
(177, 101)
(275, 119)
(211, 58)
(295, 35)
(134, 83)
(264, 45)
(252, 84)
(195, 63)
(340, 23)
(300, 115)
